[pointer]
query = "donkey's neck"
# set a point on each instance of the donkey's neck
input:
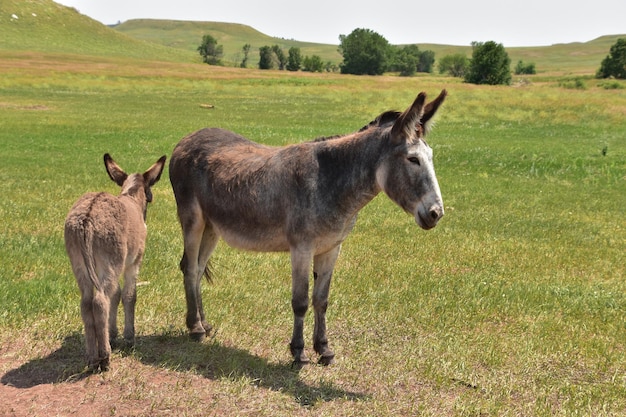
(347, 169)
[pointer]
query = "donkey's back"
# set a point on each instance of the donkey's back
(105, 238)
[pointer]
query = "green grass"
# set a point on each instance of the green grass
(514, 305)
(46, 26)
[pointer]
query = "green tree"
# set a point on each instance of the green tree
(313, 64)
(246, 53)
(490, 64)
(426, 61)
(405, 60)
(211, 52)
(364, 52)
(294, 59)
(614, 65)
(266, 57)
(281, 58)
(455, 65)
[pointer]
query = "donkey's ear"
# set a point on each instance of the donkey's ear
(152, 175)
(116, 173)
(406, 125)
(431, 108)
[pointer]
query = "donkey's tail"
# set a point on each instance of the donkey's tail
(208, 274)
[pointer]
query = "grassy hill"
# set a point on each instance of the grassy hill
(45, 26)
(575, 58)
(571, 58)
(232, 36)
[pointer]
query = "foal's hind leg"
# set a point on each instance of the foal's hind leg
(91, 344)
(323, 266)
(129, 299)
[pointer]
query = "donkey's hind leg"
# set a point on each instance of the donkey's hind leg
(199, 242)
(323, 266)
(207, 246)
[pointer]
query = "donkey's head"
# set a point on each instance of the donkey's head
(137, 186)
(407, 174)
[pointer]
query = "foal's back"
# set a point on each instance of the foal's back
(108, 228)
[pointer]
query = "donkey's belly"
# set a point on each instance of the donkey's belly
(269, 241)
(257, 241)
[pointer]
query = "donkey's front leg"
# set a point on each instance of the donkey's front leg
(300, 267)
(323, 266)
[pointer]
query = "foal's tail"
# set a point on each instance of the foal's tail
(79, 236)
(87, 252)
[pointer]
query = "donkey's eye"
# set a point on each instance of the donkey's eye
(414, 160)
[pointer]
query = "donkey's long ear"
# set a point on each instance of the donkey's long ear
(406, 125)
(116, 173)
(152, 175)
(431, 108)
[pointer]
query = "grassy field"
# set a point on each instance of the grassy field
(513, 306)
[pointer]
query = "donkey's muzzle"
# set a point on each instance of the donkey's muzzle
(430, 218)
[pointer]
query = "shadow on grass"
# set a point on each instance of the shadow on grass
(215, 361)
(210, 359)
(65, 363)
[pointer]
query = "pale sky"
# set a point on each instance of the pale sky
(451, 22)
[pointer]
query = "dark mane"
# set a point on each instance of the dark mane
(383, 119)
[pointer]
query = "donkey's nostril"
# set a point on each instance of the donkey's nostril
(435, 213)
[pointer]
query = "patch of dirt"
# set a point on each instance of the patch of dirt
(24, 107)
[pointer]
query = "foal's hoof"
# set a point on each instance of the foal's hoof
(105, 365)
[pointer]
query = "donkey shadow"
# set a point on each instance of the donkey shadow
(215, 361)
(211, 360)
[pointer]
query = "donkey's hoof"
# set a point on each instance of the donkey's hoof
(327, 359)
(197, 336)
(299, 358)
(207, 327)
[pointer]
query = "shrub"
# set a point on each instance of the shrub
(522, 68)
(490, 64)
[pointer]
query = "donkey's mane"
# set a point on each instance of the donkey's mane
(382, 120)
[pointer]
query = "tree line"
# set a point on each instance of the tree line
(366, 52)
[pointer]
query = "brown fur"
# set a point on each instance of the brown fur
(105, 238)
(301, 198)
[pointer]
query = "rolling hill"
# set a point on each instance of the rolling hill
(47, 27)
(574, 58)
(232, 36)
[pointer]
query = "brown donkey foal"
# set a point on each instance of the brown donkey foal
(105, 237)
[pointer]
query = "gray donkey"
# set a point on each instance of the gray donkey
(105, 237)
(301, 198)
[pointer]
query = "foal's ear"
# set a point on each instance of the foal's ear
(406, 125)
(116, 173)
(152, 175)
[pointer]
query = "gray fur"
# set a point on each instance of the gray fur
(302, 198)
